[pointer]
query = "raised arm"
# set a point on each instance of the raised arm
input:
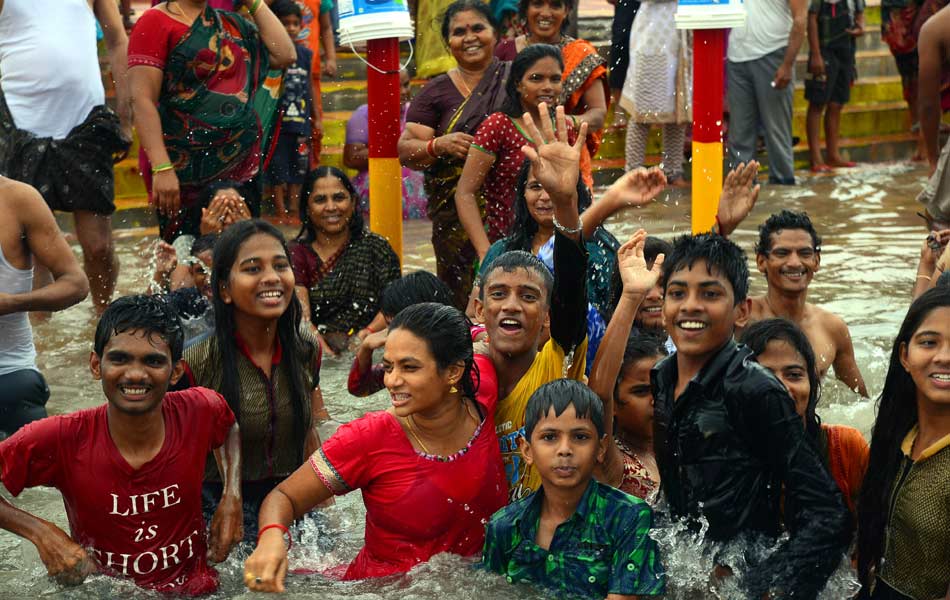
(557, 167)
(634, 189)
(637, 281)
(281, 52)
(738, 196)
(48, 246)
(227, 523)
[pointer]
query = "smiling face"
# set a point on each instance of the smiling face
(135, 369)
(699, 311)
(412, 375)
(792, 262)
(261, 282)
(471, 40)
(634, 399)
(565, 449)
(650, 314)
(545, 17)
(541, 83)
(789, 367)
(926, 358)
(200, 268)
(514, 309)
(539, 202)
(330, 206)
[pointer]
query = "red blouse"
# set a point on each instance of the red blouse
(153, 37)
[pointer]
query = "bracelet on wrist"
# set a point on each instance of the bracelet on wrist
(283, 529)
(165, 166)
(566, 231)
(430, 148)
(254, 7)
(927, 277)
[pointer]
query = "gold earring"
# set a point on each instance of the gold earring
(453, 390)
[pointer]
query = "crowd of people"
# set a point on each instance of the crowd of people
(555, 395)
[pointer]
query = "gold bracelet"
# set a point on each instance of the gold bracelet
(927, 277)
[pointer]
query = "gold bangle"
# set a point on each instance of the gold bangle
(927, 277)
(254, 7)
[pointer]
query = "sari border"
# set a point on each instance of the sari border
(328, 474)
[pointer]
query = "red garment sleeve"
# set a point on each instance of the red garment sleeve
(31, 456)
(342, 462)
(153, 37)
(486, 393)
(362, 384)
(302, 264)
(490, 136)
(219, 415)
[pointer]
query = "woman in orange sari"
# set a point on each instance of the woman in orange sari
(586, 92)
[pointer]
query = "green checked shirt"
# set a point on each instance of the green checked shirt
(605, 548)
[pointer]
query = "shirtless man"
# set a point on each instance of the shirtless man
(29, 234)
(788, 253)
(933, 48)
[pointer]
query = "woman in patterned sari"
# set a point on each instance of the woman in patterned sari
(585, 92)
(203, 100)
(440, 126)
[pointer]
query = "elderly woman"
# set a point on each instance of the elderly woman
(340, 268)
(441, 125)
(201, 101)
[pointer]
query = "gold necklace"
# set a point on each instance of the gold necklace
(468, 90)
(412, 429)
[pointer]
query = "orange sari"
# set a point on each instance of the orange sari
(583, 68)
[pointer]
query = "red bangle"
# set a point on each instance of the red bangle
(430, 148)
(290, 541)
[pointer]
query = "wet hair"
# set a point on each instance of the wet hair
(512, 260)
(461, 6)
(721, 255)
(524, 226)
(286, 8)
(640, 344)
(447, 333)
(785, 219)
(897, 414)
(308, 232)
(523, 11)
(204, 243)
(757, 337)
(652, 247)
(154, 315)
(559, 394)
(414, 288)
(519, 67)
(298, 353)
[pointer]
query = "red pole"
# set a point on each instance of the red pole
(385, 173)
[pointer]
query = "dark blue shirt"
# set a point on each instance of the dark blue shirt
(297, 98)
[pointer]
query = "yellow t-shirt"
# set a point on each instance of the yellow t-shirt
(549, 364)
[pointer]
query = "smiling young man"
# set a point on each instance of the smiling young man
(574, 535)
(130, 471)
(788, 253)
(517, 297)
(730, 447)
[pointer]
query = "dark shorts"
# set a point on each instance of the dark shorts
(291, 159)
(907, 67)
(23, 396)
(839, 75)
(74, 173)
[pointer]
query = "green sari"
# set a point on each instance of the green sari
(217, 107)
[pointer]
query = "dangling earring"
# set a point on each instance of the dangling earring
(453, 390)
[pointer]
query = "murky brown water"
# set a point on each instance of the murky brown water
(870, 251)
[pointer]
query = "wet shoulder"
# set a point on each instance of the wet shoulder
(202, 360)
(504, 518)
(620, 509)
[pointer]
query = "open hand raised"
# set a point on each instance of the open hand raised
(557, 163)
(738, 196)
(636, 188)
(636, 277)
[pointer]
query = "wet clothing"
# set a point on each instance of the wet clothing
(417, 504)
(727, 447)
(144, 524)
(636, 481)
(604, 548)
(847, 454)
(345, 290)
(917, 539)
(23, 397)
(297, 96)
(272, 442)
(562, 356)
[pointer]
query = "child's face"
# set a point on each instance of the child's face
(634, 406)
(514, 310)
(135, 369)
(261, 282)
(564, 449)
(291, 25)
(699, 310)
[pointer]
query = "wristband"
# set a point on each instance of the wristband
(165, 166)
(254, 7)
(430, 148)
(283, 529)
(565, 230)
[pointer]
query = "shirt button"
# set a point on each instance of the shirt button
(591, 579)
(631, 566)
(550, 558)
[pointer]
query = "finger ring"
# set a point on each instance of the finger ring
(248, 576)
(257, 580)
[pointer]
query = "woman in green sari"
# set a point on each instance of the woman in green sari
(440, 126)
(205, 84)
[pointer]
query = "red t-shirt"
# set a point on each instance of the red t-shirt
(417, 505)
(143, 524)
(153, 37)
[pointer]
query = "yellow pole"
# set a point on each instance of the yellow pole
(385, 200)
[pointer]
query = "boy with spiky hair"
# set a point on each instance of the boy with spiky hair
(574, 535)
(730, 447)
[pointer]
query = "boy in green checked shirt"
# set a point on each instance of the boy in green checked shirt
(574, 535)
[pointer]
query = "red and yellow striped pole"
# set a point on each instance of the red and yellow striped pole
(385, 173)
(708, 52)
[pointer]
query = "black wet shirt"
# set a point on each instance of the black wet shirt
(725, 449)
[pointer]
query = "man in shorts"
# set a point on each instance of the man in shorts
(56, 133)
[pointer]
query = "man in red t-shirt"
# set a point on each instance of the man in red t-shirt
(130, 471)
